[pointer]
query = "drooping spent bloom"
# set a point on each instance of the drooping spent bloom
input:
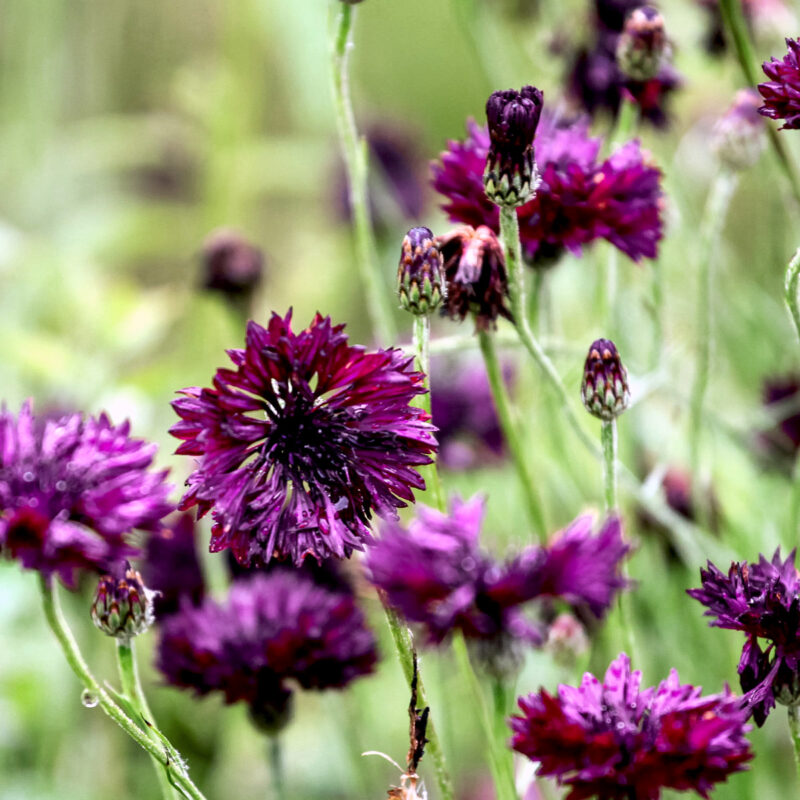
(763, 601)
(510, 176)
(616, 741)
(579, 200)
(302, 441)
(436, 574)
(273, 632)
(232, 266)
(476, 276)
(171, 567)
(739, 137)
(642, 44)
(781, 92)
(71, 488)
(123, 605)
(420, 282)
(781, 397)
(604, 389)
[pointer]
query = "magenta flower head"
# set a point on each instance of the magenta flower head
(579, 200)
(302, 441)
(273, 632)
(781, 92)
(435, 573)
(475, 272)
(763, 601)
(71, 489)
(616, 741)
(510, 177)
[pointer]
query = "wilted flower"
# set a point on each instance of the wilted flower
(302, 441)
(642, 44)
(615, 741)
(604, 389)
(475, 271)
(739, 135)
(579, 199)
(71, 488)
(781, 92)
(273, 632)
(763, 601)
(420, 286)
(123, 605)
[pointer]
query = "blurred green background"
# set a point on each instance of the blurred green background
(130, 130)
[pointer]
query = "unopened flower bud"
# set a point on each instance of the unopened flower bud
(420, 284)
(566, 640)
(511, 178)
(739, 136)
(123, 606)
(642, 44)
(605, 381)
(232, 266)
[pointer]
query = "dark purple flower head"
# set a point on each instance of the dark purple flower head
(579, 199)
(420, 282)
(475, 272)
(274, 631)
(435, 573)
(781, 92)
(171, 567)
(616, 741)
(302, 441)
(781, 397)
(231, 265)
(763, 601)
(71, 488)
(604, 389)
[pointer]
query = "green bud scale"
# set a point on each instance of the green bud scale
(604, 389)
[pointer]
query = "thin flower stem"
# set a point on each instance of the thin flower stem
(501, 766)
(716, 211)
(505, 414)
(608, 436)
(734, 22)
(161, 752)
(405, 653)
(422, 338)
(790, 290)
(794, 731)
(132, 689)
(354, 151)
(276, 767)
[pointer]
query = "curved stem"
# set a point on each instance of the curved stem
(161, 752)
(711, 231)
(734, 22)
(608, 436)
(505, 414)
(790, 290)
(422, 338)
(354, 151)
(132, 689)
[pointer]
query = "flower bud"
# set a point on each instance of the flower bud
(511, 178)
(420, 286)
(739, 136)
(642, 44)
(231, 265)
(122, 606)
(566, 640)
(604, 389)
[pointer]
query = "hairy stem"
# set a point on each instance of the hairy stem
(608, 437)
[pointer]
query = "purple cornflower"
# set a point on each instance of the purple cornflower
(615, 741)
(435, 573)
(781, 92)
(579, 199)
(273, 631)
(763, 601)
(302, 441)
(71, 488)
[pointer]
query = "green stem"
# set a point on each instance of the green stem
(422, 338)
(794, 731)
(608, 436)
(658, 316)
(162, 752)
(132, 689)
(734, 22)
(405, 654)
(354, 151)
(711, 232)
(626, 122)
(276, 766)
(502, 768)
(511, 432)
(790, 290)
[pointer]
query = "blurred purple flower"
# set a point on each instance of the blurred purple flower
(302, 441)
(763, 601)
(781, 92)
(615, 741)
(71, 488)
(578, 201)
(781, 396)
(274, 631)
